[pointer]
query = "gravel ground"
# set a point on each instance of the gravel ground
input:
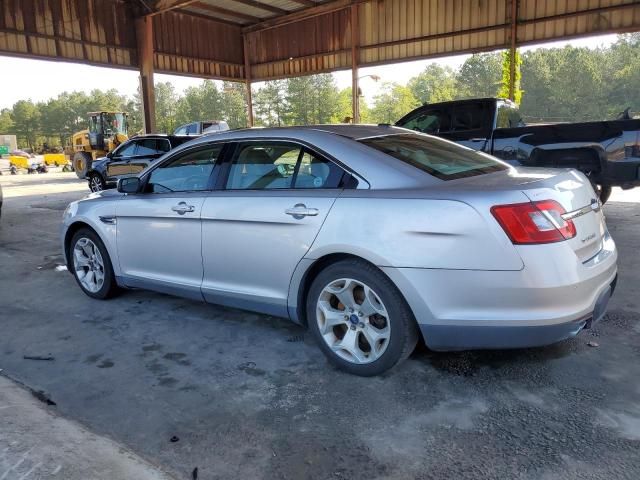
(250, 396)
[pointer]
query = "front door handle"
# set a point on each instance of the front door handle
(183, 208)
(300, 210)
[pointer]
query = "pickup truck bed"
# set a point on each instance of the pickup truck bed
(608, 152)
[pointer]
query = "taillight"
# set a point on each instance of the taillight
(534, 222)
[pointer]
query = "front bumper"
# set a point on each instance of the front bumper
(542, 304)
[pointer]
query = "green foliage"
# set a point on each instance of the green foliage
(6, 123)
(434, 84)
(479, 76)
(503, 91)
(26, 121)
(394, 102)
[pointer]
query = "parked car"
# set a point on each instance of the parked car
(198, 128)
(129, 158)
(373, 237)
(608, 152)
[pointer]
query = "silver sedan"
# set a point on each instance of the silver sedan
(373, 237)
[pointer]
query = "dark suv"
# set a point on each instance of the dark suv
(129, 158)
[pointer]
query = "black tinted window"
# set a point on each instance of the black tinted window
(442, 159)
(432, 121)
(190, 171)
(126, 150)
(147, 147)
(468, 117)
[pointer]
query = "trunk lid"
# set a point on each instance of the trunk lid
(570, 188)
(574, 192)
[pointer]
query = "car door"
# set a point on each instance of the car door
(273, 200)
(159, 231)
(149, 150)
(119, 163)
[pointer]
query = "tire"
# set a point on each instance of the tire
(87, 247)
(604, 192)
(82, 163)
(96, 182)
(367, 289)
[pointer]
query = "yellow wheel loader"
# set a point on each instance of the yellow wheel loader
(106, 131)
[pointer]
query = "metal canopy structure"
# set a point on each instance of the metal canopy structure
(256, 40)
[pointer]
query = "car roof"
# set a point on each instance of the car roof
(339, 142)
(354, 132)
(162, 135)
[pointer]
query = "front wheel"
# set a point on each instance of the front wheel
(359, 318)
(96, 182)
(82, 163)
(91, 265)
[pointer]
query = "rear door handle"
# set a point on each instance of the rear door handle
(300, 210)
(183, 208)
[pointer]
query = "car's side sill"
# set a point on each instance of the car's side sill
(186, 291)
(264, 305)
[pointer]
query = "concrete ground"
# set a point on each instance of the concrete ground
(250, 396)
(38, 443)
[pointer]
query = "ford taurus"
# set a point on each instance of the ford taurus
(373, 237)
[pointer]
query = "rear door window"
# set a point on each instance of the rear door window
(263, 166)
(148, 146)
(279, 165)
(468, 117)
(441, 159)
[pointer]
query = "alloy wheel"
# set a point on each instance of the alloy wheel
(353, 321)
(95, 184)
(88, 265)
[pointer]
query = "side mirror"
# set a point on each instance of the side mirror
(129, 185)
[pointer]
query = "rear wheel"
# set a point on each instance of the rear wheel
(82, 163)
(603, 191)
(91, 265)
(359, 318)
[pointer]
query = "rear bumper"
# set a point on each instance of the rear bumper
(468, 337)
(539, 305)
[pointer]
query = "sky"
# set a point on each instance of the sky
(40, 80)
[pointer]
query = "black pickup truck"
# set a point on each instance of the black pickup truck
(608, 152)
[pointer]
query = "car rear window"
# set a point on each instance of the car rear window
(443, 160)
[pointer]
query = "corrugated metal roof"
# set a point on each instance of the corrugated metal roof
(205, 37)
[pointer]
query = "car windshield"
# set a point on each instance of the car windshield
(443, 160)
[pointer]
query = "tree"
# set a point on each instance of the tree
(394, 102)
(166, 107)
(6, 123)
(26, 119)
(270, 105)
(434, 84)
(479, 76)
(234, 105)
